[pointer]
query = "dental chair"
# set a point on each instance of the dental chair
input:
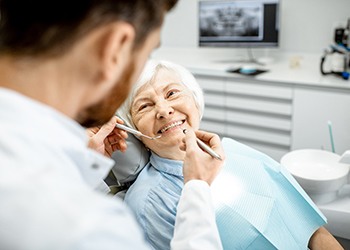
(127, 167)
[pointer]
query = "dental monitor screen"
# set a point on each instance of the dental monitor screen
(239, 23)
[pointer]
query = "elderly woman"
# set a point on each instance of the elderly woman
(258, 204)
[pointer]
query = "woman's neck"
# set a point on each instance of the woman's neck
(175, 154)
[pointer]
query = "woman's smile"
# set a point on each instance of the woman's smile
(171, 126)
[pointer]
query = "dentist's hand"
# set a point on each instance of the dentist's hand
(199, 165)
(108, 138)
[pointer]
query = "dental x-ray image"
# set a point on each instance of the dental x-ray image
(239, 19)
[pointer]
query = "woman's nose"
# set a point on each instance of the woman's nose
(164, 111)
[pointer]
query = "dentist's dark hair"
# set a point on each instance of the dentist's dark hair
(51, 27)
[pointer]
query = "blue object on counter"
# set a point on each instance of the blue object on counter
(247, 70)
(345, 75)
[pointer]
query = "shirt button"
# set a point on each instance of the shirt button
(95, 166)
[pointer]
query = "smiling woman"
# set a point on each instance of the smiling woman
(166, 100)
(257, 202)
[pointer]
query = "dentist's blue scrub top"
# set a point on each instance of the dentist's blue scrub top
(259, 205)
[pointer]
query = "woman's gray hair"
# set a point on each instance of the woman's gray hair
(149, 73)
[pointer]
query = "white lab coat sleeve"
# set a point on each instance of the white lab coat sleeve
(195, 225)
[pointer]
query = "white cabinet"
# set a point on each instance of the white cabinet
(313, 108)
(214, 118)
(253, 112)
(276, 118)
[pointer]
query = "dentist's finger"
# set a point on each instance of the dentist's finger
(212, 140)
(199, 165)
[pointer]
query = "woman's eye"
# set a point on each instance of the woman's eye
(172, 92)
(143, 106)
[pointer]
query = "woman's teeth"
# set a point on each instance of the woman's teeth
(174, 124)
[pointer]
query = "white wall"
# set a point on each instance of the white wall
(306, 25)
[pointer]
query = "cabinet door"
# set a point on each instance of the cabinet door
(214, 98)
(312, 111)
(259, 115)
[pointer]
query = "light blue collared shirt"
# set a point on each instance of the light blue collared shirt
(154, 198)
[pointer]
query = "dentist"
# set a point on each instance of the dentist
(64, 67)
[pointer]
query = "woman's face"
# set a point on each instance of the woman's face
(165, 107)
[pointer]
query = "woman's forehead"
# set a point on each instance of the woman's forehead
(164, 77)
(159, 85)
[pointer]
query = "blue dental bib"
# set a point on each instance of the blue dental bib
(259, 205)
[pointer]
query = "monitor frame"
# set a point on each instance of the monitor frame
(262, 39)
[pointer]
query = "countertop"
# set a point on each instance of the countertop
(283, 68)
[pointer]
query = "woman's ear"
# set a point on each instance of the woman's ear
(116, 46)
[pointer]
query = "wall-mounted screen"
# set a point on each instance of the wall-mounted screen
(239, 23)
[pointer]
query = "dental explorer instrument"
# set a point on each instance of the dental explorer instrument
(206, 148)
(135, 132)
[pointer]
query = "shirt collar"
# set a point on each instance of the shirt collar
(173, 167)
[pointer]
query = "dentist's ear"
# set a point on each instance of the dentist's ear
(116, 49)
